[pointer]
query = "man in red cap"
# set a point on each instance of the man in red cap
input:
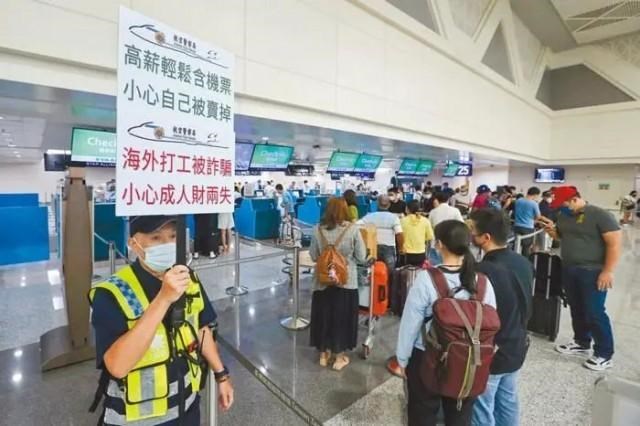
(591, 244)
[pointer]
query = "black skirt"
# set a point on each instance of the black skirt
(334, 319)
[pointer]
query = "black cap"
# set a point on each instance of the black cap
(482, 189)
(148, 224)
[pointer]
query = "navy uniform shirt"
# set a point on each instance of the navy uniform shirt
(110, 323)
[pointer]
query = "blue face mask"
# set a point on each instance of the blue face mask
(566, 211)
(161, 257)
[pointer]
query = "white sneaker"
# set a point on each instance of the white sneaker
(572, 348)
(212, 255)
(597, 363)
(196, 255)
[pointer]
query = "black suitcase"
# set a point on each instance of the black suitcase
(207, 235)
(545, 316)
(547, 295)
(548, 274)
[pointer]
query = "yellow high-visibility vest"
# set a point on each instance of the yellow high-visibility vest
(146, 387)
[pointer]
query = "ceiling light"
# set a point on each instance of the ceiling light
(11, 145)
(1, 117)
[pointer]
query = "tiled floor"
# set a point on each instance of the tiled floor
(553, 389)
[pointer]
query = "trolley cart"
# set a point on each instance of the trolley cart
(374, 299)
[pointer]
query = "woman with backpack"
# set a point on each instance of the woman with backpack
(336, 247)
(447, 365)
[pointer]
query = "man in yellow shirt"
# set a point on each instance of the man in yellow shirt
(417, 232)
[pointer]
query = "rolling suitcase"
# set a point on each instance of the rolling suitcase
(402, 281)
(547, 295)
(380, 284)
(548, 274)
(208, 238)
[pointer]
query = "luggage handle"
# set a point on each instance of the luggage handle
(382, 293)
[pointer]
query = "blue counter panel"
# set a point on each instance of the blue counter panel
(18, 200)
(25, 234)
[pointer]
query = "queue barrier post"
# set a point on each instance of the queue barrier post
(112, 258)
(211, 400)
(295, 322)
(237, 289)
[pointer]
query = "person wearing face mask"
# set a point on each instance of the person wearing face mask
(152, 367)
(427, 201)
(527, 214)
(590, 241)
(512, 277)
(398, 206)
(545, 206)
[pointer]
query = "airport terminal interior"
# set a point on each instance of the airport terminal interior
(481, 100)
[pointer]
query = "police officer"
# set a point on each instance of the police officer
(152, 364)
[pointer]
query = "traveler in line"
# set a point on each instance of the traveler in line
(545, 206)
(442, 211)
(417, 233)
(447, 189)
(628, 207)
(352, 204)
(526, 215)
(285, 202)
(427, 200)
(389, 234)
(334, 308)
(591, 244)
(459, 267)
(481, 200)
(512, 277)
(398, 205)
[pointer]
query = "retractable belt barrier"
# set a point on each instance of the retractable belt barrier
(520, 238)
(291, 403)
(114, 253)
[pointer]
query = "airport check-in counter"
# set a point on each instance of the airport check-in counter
(363, 205)
(298, 200)
(312, 209)
(258, 218)
(373, 206)
(24, 226)
(110, 227)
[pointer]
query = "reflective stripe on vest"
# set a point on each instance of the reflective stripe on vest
(112, 417)
(146, 386)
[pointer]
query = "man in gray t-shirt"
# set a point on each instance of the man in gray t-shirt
(591, 244)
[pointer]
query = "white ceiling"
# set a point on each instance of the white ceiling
(36, 118)
(566, 24)
(595, 20)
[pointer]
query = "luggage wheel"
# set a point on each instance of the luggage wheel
(366, 351)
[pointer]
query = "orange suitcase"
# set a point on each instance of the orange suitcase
(380, 288)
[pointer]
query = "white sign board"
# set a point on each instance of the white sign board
(175, 144)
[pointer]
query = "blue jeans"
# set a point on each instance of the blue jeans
(588, 313)
(498, 405)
